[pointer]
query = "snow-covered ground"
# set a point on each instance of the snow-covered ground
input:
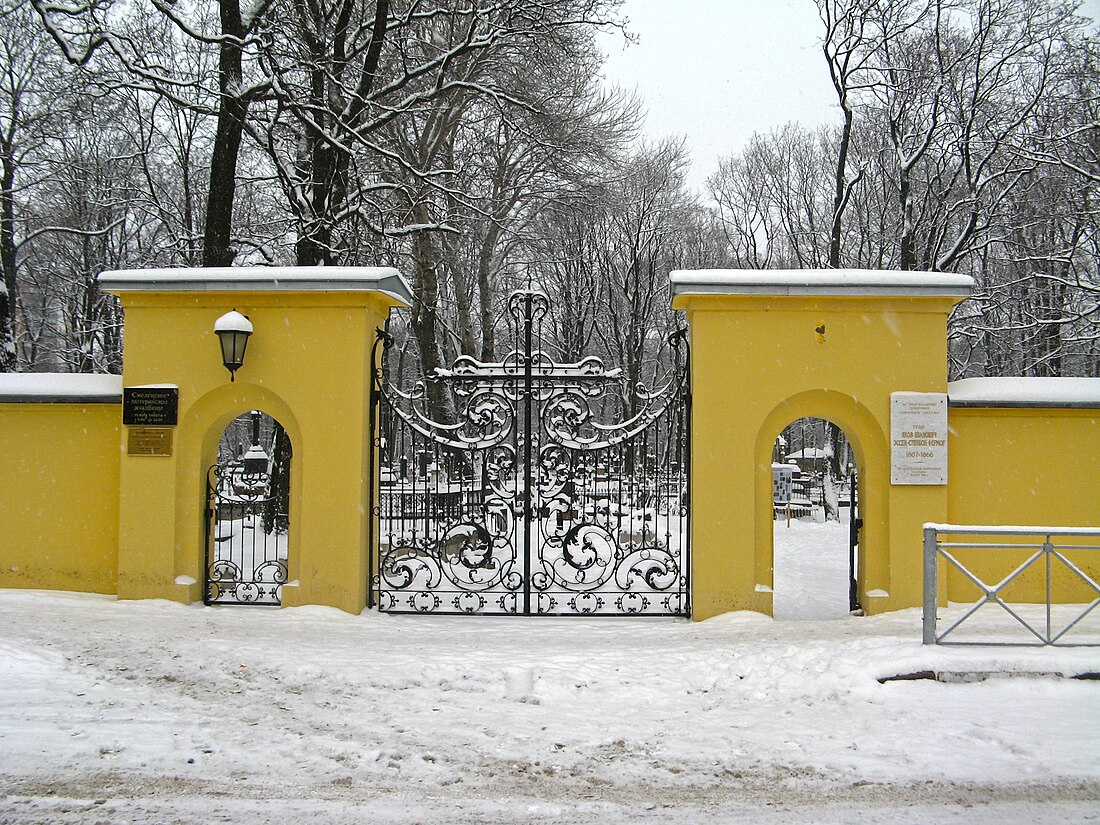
(811, 569)
(155, 712)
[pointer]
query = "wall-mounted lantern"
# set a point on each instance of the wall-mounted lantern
(233, 330)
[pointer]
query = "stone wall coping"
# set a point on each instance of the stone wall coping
(1066, 393)
(59, 388)
(823, 282)
(382, 279)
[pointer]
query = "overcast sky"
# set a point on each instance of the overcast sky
(715, 71)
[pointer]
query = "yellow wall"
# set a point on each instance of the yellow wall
(307, 366)
(1028, 467)
(136, 525)
(59, 496)
(757, 364)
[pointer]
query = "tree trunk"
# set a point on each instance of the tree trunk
(218, 231)
(840, 196)
(425, 320)
(464, 296)
(485, 292)
(906, 253)
(328, 166)
(276, 509)
(7, 261)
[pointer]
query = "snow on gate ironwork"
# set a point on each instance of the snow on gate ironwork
(541, 496)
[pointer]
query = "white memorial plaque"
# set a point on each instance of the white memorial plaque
(918, 438)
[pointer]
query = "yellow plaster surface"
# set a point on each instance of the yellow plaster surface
(59, 486)
(761, 361)
(758, 363)
(307, 366)
(1028, 467)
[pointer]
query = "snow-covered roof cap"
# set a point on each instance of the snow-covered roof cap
(59, 388)
(260, 278)
(1025, 392)
(854, 282)
(233, 321)
(810, 452)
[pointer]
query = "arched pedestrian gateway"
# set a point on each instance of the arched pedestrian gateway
(769, 347)
(816, 524)
(308, 366)
(248, 525)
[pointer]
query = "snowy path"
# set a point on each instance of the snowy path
(153, 712)
(811, 569)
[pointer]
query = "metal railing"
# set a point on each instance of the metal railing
(1044, 547)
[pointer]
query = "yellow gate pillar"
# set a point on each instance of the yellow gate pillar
(769, 347)
(307, 365)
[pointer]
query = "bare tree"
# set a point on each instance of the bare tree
(33, 100)
(650, 207)
(133, 46)
(848, 49)
(79, 222)
(774, 200)
(972, 127)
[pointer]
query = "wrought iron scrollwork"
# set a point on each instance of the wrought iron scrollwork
(244, 564)
(554, 488)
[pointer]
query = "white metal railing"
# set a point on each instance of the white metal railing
(1045, 545)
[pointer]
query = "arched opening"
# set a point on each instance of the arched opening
(248, 513)
(815, 522)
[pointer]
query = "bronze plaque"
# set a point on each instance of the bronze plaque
(149, 441)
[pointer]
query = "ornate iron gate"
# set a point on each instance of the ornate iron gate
(553, 489)
(245, 563)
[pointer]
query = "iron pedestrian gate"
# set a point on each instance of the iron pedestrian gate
(855, 526)
(245, 563)
(553, 489)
